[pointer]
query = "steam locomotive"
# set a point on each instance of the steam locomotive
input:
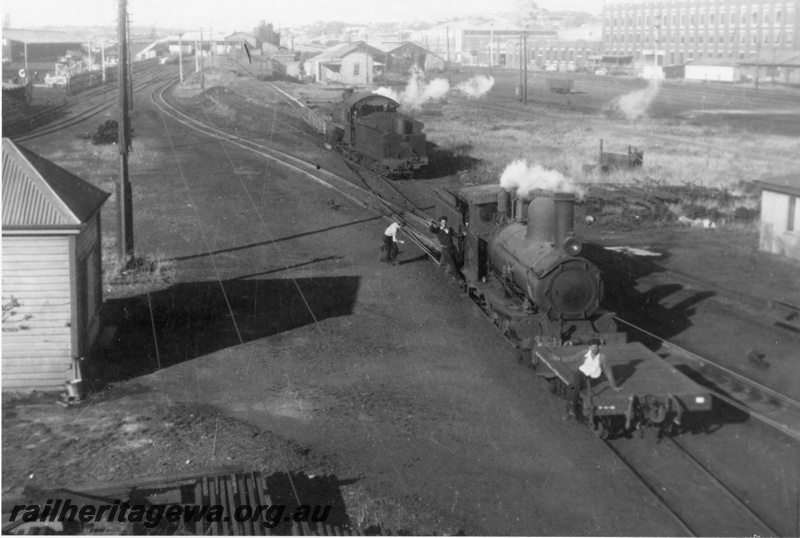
(522, 264)
(368, 129)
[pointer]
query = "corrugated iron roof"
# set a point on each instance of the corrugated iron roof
(44, 36)
(788, 184)
(39, 193)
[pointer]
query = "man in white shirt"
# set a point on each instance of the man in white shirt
(593, 364)
(390, 241)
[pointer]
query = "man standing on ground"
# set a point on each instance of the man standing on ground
(445, 235)
(390, 241)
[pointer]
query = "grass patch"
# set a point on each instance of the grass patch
(146, 273)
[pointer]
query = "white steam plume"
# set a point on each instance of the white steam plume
(525, 179)
(417, 91)
(634, 105)
(476, 87)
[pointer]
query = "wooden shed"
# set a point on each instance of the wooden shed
(52, 273)
(780, 215)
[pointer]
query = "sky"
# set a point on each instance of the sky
(243, 15)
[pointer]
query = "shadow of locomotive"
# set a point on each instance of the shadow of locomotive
(446, 162)
(621, 275)
(189, 320)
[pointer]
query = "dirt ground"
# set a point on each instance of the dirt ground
(280, 343)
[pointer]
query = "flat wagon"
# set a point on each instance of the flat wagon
(654, 393)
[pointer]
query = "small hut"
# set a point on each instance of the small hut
(52, 274)
(780, 215)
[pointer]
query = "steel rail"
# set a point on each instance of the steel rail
(92, 111)
(285, 159)
(785, 400)
(731, 495)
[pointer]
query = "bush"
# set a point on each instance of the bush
(107, 133)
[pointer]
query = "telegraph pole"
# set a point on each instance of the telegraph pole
(525, 69)
(180, 57)
(130, 67)
(448, 53)
(521, 83)
(491, 44)
(124, 191)
(202, 78)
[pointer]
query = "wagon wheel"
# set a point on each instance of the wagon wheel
(600, 430)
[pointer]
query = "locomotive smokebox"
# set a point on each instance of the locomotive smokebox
(564, 215)
(542, 218)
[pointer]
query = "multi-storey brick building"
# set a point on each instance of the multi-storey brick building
(673, 32)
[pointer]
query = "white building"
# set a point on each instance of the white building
(780, 215)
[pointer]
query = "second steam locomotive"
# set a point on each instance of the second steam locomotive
(370, 130)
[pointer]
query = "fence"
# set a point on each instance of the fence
(92, 79)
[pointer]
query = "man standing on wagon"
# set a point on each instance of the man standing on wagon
(593, 364)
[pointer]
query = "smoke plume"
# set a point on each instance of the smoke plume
(525, 179)
(634, 105)
(476, 87)
(417, 91)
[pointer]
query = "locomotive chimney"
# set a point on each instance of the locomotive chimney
(541, 218)
(564, 215)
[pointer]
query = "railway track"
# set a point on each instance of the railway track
(685, 487)
(758, 401)
(363, 196)
(696, 499)
(154, 77)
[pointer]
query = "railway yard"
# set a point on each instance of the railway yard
(266, 335)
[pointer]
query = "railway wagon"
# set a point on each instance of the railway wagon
(369, 130)
(560, 85)
(654, 393)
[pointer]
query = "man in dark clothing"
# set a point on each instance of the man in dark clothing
(445, 235)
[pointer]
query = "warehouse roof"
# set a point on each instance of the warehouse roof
(44, 36)
(788, 184)
(37, 193)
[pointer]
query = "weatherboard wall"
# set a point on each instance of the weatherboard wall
(780, 224)
(37, 335)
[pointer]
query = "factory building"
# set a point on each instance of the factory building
(674, 32)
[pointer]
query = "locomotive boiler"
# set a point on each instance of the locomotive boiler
(369, 129)
(522, 263)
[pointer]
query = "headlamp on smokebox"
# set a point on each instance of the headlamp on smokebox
(572, 246)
